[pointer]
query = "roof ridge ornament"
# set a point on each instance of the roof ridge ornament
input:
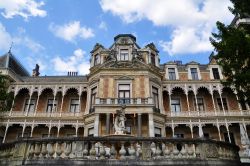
(10, 47)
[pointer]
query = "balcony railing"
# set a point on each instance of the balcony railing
(207, 113)
(116, 150)
(126, 101)
(41, 114)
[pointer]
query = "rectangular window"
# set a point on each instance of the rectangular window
(155, 96)
(152, 59)
(124, 54)
(91, 132)
(220, 104)
(74, 105)
(157, 132)
(124, 93)
(93, 95)
(216, 73)
(194, 74)
(200, 104)
(97, 59)
(128, 125)
(175, 105)
(30, 105)
(50, 105)
(171, 74)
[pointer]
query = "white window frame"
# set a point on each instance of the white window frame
(211, 71)
(55, 103)
(198, 72)
(129, 82)
(175, 97)
(70, 105)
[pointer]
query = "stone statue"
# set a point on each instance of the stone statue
(120, 119)
(35, 72)
(111, 56)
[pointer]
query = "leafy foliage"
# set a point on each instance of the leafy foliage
(5, 97)
(232, 45)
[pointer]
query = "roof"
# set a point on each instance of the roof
(8, 61)
(55, 79)
(125, 35)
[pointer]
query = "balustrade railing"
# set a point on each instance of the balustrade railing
(207, 113)
(126, 101)
(41, 114)
(119, 148)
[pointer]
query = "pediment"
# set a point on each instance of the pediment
(125, 77)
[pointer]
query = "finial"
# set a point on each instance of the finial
(11, 47)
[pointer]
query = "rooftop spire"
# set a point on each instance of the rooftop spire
(10, 47)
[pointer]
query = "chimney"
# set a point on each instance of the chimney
(72, 73)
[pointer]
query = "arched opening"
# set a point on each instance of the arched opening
(67, 131)
(166, 103)
(231, 102)
(182, 131)
(204, 100)
(210, 132)
(14, 132)
(21, 100)
(169, 132)
(41, 131)
(80, 132)
(178, 100)
(45, 98)
(71, 101)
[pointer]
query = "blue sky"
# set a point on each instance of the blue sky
(59, 34)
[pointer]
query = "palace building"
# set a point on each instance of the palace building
(171, 100)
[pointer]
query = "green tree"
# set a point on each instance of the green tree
(5, 97)
(232, 44)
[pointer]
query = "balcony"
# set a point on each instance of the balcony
(124, 101)
(208, 113)
(41, 114)
(118, 150)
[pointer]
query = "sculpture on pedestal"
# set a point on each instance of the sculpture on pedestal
(120, 119)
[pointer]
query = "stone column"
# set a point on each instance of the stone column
(37, 100)
(151, 125)
(200, 130)
(228, 132)
(243, 134)
(139, 125)
(222, 103)
(107, 123)
(5, 133)
(27, 112)
(212, 95)
(61, 105)
(96, 125)
(196, 103)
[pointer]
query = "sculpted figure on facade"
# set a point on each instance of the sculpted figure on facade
(120, 119)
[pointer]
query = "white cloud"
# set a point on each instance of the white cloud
(76, 62)
(5, 38)
(23, 8)
(22, 39)
(103, 25)
(71, 31)
(192, 21)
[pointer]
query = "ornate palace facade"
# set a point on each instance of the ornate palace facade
(171, 100)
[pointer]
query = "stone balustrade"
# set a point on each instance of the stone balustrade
(207, 113)
(117, 149)
(126, 101)
(41, 114)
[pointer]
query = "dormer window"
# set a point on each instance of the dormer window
(194, 73)
(124, 54)
(152, 59)
(97, 59)
(216, 73)
(171, 74)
